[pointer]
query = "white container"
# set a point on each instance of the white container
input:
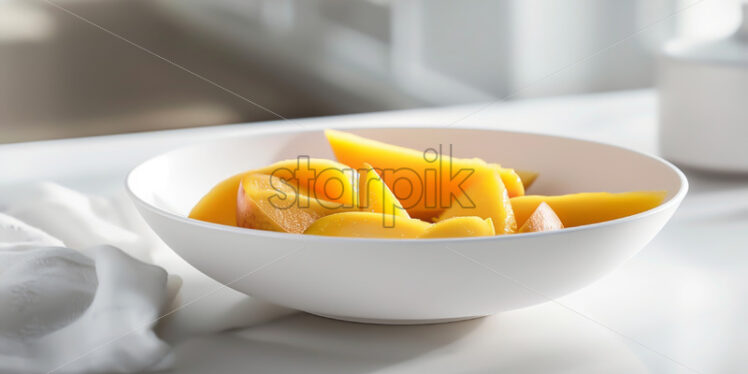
(703, 91)
(406, 281)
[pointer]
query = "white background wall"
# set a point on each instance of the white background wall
(445, 51)
(60, 76)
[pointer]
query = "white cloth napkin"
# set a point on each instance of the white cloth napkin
(79, 291)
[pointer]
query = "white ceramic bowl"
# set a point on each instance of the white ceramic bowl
(406, 281)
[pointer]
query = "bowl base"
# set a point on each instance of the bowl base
(376, 321)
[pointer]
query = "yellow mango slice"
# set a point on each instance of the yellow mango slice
(324, 179)
(486, 198)
(376, 197)
(219, 204)
(511, 179)
(366, 225)
(542, 219)
(265, 202)
(589, 207)
(425, 183)
(527, 178)
(460, 227)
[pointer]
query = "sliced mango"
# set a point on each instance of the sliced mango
(486, 198)
(265, 202)
(542, 219)
(327, 180)
(512, 180)
(527, 178)
(367, 225)
(460, 227)
(219, 204)
(376, 197)
(324, 179)
(424, 182)
(589, 207)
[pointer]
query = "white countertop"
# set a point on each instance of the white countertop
(678, 306)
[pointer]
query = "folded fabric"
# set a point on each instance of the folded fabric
(65, 310)
(76, 219)
(87, 265)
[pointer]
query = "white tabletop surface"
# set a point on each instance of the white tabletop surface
(680, 306)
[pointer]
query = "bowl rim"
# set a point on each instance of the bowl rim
(284, 128)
